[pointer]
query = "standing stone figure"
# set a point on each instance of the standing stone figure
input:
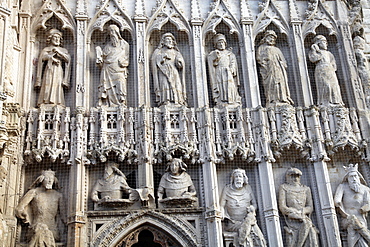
(176, 183)
(3, 225)
(362, 65)
(40, 207)
(53, 70)
(273, 70)
(223, 72)
(113, 61)
(328, 90)
(238, 207)
(352, 199)
(111, 186)
(168, 67)
(295, 203)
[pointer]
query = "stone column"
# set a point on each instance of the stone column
(319, 159)
(265, 158)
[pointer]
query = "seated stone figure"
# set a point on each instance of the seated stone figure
(295, 203)
(40, 207)
(352, 199)
(176, 186)
(110, 189)
(238, 209)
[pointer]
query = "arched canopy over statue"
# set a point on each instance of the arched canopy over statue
(223, 72)
(53, 70)
(168, 68)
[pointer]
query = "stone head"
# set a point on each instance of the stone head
(219, 42)
(353, 176)
(168, 40)
(239, 178)
(270, 37)
(293, 176)
(47, 179)
(55, 37)
(114, 31)
(321, 41)
(176, 166)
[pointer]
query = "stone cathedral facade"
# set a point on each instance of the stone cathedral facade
(203, 123)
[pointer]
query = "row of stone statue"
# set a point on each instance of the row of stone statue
(41, 205)
(168, 70)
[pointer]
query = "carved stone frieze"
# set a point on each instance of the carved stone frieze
(48, 133)
(111, 132)
(232, 133)
(175, 133)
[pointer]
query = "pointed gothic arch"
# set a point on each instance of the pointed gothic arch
(116, 232)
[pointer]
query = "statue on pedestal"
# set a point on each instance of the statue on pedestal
(238, 209)
(168, 68)
(113, 61)
(295, 203)
(352, 199)
(273, 70)
(176, 187)
(328, 90)
(223, 72)
(40, 207)
(53, 70)
(362, 65)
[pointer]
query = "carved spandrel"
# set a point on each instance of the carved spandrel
(295, 203)
(238, 209)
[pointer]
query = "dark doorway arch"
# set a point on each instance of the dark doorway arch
(146, 239)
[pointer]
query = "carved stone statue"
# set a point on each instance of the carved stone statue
(273, 70)
(40, 207)
(3, 225)
(113, 61)
(168, 67)
(223, 72)
(352, 199)
(112, 186)
(328, 90)
(238, 209)
(53, 70)
(295, 203)
(362, 65)
(176, 186)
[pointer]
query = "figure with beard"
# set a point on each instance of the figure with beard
(362, 65)
(352, 199)
(176, 183)
(295, 203)
(238, 208)
(273, 70)
(111, 186)
(168, 68)
(223, 72)
(113, 61)
(40, 207)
